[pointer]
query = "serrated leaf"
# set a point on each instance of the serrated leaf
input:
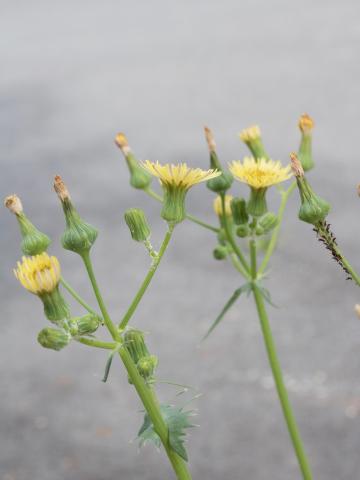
(244, 288)
(177, 421)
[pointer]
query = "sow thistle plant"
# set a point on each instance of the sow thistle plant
(246, 235)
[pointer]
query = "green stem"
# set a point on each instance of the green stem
(77, 297)
(274, 238)
(152, 407)
(277, 373)
(107, 320)
(146, 395)
(93, 342)
(238, 266)
(253, 260)
(194, 219)
(147, 280)
(230, 238)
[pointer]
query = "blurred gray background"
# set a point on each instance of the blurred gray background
(75, 73)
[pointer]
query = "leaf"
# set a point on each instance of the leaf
(108, 363)
(247, 287)
(266, 295)
(177, 421)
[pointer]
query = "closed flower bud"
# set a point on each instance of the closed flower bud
(79, 236)
(220, 252)
(268, 222)
(146, 366)
(259, 230)
(85, 325)
(218, 206)
(306, 126)
(33, 241)
(224, 181)
(53, 338)
(135, 344)
(221, 236)
(139, 178)
(138, 225)
(242, 231)
(239, 211)
(252, 137)
(313, 208)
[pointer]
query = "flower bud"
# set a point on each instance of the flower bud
(79, 236)
(252, 137)
(138, 225)
(85, 325)
(218, 206)
(135, 344)
(220, 252)
(259, 230)
(33, 241)
(239, 212)
(224, 181)
(53, 338)
(221, 236)
(257, 206)
(139, 178)
(242, 231)
(306, 126)
(146, 366)
(313, 209)
(268, 222)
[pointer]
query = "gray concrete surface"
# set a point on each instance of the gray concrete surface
(73, 74)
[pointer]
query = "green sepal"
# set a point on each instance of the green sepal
(305, 151)
(177, 421)
(53, 338)
(33, 241)
(136, 221)
(173, 210)
(246, 288)
(134, 342)
(257, 206)
(55, 307)
(79, 236)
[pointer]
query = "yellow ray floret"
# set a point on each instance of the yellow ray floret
(250, 133)
(218, 205)
(259, 173)
(38, 274)
(179, 175)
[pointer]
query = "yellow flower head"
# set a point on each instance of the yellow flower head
(39, 274)
(180, 175)
(249, 134)
(260, 173)
(218, 205)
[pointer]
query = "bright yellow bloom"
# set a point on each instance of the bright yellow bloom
(218, 205)
(251, 133)
(39, 274)
(179, 175)
(260, 173)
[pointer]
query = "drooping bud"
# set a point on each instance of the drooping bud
(239, 211)
(79, 236)
(53, 338)
(138, 225)
(85, 325)
(242, 231)
(139, 178)
(306, 125)
(220, 252)
(33, 241)
(252, 137)
(257, 206)
(313, 209)
(268, 222)
(224, 181)
(146, 366)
